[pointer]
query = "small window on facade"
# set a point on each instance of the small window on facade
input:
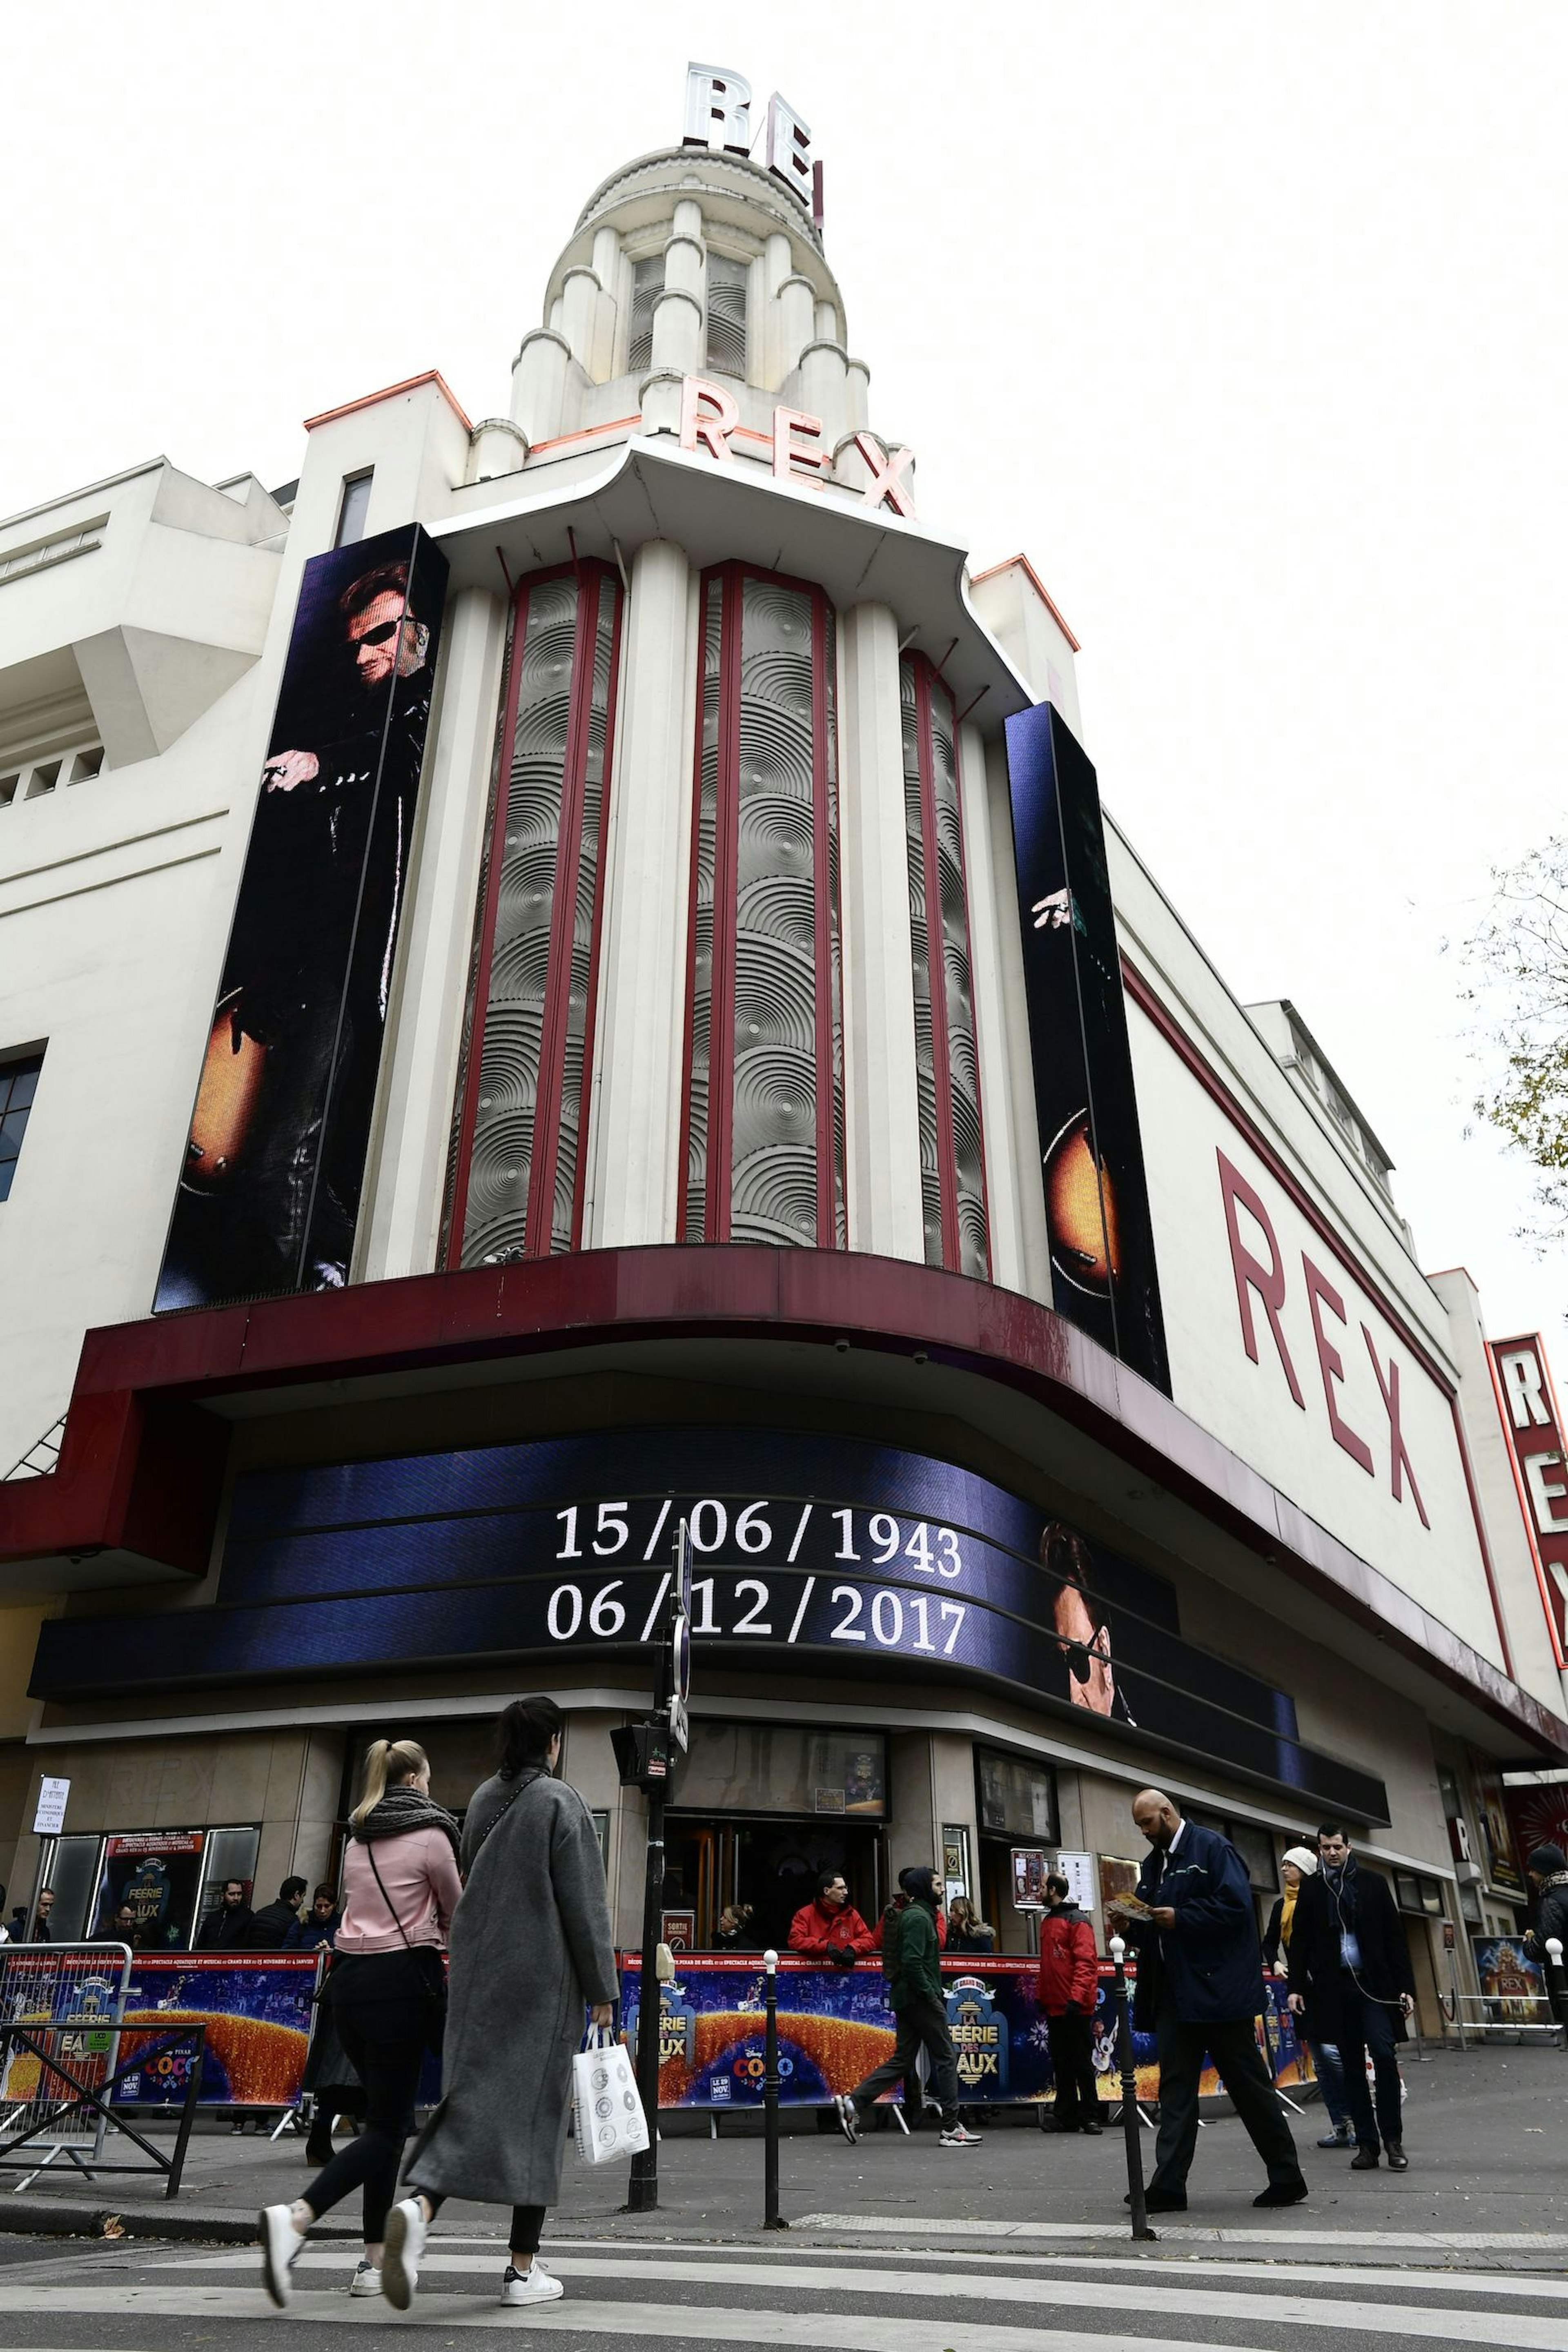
(18, 1084)
(86, 765)
(8, 789)
(354, 510)
(727, 281)
(647, 285)
(44, 778)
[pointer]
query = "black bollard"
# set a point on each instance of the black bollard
(1130, 2119)
(771, 2096)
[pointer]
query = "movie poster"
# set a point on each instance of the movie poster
(1096, 1201)
(1513, 1985)
(147, 1894)
(269, 1192)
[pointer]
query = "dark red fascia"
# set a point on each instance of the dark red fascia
(141, 1463)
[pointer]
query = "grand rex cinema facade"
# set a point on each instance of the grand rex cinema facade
(568, 973)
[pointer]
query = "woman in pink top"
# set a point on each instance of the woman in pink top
(400, 1888)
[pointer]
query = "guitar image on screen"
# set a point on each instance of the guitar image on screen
(232, 1068)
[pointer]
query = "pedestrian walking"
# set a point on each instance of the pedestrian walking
(911, 1963)
(1351, 1980)
(966, 1930)
(1300, 1863)
(1068, 1992)
(1547, 1868)
(1200, 1988)
(531, 1946)
(386, 1992)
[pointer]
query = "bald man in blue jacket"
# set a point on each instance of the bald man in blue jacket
(1200, 1988)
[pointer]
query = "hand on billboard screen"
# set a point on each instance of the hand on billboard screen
(1052, 912)
(287, 769)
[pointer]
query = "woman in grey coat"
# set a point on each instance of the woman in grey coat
(530, 1945)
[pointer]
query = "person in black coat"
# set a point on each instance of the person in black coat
(1351, 1980)
(1200, 1987)
(227, 1928)
(1547, 1868)
(270, 1926)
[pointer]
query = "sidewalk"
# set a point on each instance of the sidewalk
(1487, 2136)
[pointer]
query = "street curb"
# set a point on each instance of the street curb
(55, 2217)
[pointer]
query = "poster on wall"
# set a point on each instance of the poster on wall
(1514, 1986)
(1103, 1275)
(147, 1893)
(1538, 1814)
(269, 1191)
(1502, 1864)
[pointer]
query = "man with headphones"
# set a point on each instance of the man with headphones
(1350, 1978)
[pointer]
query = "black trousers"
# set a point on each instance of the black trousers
(1368, 2025)
(921, 2026)
(1235, 2054)
(527, 2222)
(1072, 2062)
(383, 2016)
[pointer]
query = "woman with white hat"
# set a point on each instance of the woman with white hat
(1300, 1863)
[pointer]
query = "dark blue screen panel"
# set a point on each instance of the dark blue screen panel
(865, 1555)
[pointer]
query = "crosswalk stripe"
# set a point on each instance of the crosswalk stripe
(1524, 2241)
(698, 2323)
(444, 2254)
(1159, 2295)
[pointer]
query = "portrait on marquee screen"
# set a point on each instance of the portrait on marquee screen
(269, 1192)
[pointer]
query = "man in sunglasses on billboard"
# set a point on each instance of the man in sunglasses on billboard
(283, 1119)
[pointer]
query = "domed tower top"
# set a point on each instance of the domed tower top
(695, 261)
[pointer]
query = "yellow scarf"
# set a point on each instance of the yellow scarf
(1288, 1913)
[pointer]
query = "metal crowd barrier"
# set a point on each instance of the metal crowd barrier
(62, 2009)
(1495, 2017)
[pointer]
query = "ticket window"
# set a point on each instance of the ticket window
(759, 1810)
(231, 1853)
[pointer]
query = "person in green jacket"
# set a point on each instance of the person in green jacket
(910, 1960)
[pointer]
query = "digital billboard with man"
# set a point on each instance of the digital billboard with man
(269, 1191)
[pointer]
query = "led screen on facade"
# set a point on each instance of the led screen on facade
(1103, 1275)
(269, 1191)
(849, 1552)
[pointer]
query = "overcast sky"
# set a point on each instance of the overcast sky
(1245, 324)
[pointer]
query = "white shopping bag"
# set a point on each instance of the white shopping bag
(610, 2122)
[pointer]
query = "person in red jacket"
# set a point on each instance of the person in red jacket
(829, 1928)
(1069, 1989)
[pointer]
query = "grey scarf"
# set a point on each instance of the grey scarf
(403, 1809)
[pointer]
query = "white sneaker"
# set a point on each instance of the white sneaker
(365, 2280)
(407, 2231)
(281, 2241)
(535, 2284)
(849, 2118)
(959, 2137)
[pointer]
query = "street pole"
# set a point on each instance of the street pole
(642, 2195)
(1130, 2117)
(770, 2097)
(671, 1681)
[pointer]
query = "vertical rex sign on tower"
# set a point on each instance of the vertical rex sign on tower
(1097, 1197)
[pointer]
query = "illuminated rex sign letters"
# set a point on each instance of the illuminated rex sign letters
(1537, 1448)
(711, 420)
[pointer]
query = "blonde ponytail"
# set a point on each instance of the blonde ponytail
(387, 1763)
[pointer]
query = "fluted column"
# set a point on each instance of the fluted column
(825, 388)
(776, 260)
(797, 322)
(635, 1138)
(580, 311)
(607, 270)
(401, 1218)
(539, 384)
(882, 1105)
